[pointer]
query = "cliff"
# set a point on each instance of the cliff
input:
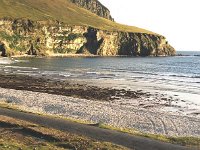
(95, 7)
(49, 28)
(21, 36)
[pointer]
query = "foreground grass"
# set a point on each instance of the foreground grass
(17, 134)
(62, 10)
(193, 142)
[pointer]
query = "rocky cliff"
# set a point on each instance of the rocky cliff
(95, 7)
(20, 36)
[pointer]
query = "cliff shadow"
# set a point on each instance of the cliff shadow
(2, 50)
(92, 45)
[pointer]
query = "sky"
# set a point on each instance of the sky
(177, 20)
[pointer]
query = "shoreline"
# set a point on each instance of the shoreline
(120, 108)
(92, 55)
(145, 99)
(98, 112)
(81, 55)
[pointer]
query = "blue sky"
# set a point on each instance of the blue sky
(177, 20)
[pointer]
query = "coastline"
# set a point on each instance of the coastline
(55, 55)
(91, 55)
(81, 55)
(119, 108)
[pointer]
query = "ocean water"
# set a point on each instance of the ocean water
(176, 76)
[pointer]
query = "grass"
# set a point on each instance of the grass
(62, 10)
(17, 134)
(193, 142)
(13, 41)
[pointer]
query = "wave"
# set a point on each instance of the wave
(195, 76)
(169, 75)
(19, 67)
(92, 72)
(166, 75)
(101, 74)
(136, 72)
(65, 74)
(6, 61)
(146, 73)
(185, 76)
(19, 61)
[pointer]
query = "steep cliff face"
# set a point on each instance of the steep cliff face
(107, 43)
(95, 7)
(19, 36)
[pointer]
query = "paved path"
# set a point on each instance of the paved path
(127, 140)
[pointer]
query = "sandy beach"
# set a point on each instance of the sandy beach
(120, 108)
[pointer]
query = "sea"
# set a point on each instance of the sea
(175, 76)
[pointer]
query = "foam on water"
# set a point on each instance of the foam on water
(19, 67)
(4, 61)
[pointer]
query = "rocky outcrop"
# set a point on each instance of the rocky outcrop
(95, 7)
(2, 50)
(107, 43)
(47, 38)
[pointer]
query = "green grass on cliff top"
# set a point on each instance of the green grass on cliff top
(61, 10)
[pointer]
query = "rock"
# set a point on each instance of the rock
(32, 50)
(2, 50)
(95, 7)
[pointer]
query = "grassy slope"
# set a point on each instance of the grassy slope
(61, 10)
(17, 134)
(190, 142)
